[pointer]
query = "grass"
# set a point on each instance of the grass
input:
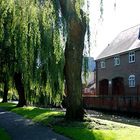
(45, 116)
(4, 135)
(85, 133)
(128, 134)
(91, 129)
(7, 106)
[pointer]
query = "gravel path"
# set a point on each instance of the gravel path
(24, 129)
(122, 118)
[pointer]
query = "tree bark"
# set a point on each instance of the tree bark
(20, 89)
(5, 94)
(76, 28)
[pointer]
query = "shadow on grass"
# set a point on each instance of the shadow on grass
(44, 116)
(55, 119)
(7, 106)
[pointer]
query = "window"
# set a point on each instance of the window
(102, 64)
(131, 57)
(116, 61)
(131, 80)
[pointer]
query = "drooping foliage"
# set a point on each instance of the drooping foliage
(37, 37)
(30, 45)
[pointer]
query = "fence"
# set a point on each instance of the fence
(114, 103)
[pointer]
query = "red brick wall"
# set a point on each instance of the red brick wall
(116, 103)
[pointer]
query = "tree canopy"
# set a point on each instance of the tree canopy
(30, 43)
(41, 44)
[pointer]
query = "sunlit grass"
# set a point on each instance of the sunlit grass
(128, 134)
(4, 135)
(96, 129)
(45, 116)
(90, 134)
(85, 133)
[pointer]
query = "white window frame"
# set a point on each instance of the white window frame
(116, 60)
(132, 81)
(132, 57)
(102, 64)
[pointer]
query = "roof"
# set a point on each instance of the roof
(127, 40)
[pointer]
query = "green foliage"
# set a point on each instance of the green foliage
(32, 38)
(78, 5)
(85, 69)
(30, 44)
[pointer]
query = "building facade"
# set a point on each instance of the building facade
(118, 74)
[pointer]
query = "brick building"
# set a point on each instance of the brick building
(118, 74)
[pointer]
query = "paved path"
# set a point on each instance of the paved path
(24, 129)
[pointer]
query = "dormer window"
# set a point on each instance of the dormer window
(102, 64)
(131, 57)
(116, 61)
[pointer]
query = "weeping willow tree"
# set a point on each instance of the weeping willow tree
(6, 52)
(30, 40)
(43, 41)
(33, 32)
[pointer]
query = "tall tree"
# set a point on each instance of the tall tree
(34, 38)
(76, 28)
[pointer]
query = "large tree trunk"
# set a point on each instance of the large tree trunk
(20, 89)
(73, 60)
(5, 94)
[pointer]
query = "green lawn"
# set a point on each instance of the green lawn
(4, 135)
(91, 129)
(45, 116)
(7, 106)
(87, 134)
